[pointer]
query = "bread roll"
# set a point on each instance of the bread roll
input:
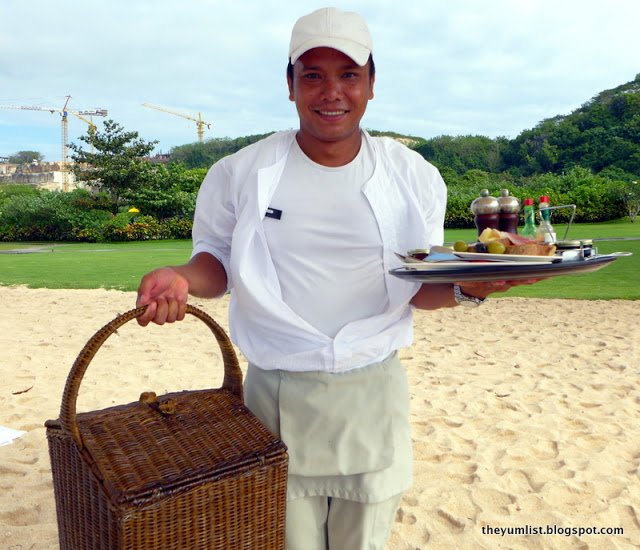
(531, 249)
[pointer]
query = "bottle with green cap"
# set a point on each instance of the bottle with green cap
(545, 233)
(529, 230)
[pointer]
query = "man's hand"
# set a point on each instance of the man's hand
(435, 296)
(164, 292)
(482, 289)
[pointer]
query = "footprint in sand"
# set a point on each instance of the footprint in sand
(22, 516)
(410, 501)
(8, 471)
(450, 522)
(406, 518)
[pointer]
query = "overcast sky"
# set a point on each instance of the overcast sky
(444, 67)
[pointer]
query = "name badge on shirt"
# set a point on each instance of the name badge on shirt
(273, 213)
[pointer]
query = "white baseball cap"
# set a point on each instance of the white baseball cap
(344, 31)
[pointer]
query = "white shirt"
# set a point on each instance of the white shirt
(408, 200)
(325, 243)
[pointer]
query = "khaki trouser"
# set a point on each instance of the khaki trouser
(326, 523)
(349, 450)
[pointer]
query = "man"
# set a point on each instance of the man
(302, 228)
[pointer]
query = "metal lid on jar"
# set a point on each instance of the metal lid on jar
(485, 204)
(568, 245)
(575, 243)
(508, 203)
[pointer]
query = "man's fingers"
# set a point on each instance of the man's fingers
(160, 318)
(173, 311)
(182, 311)
(148, 315)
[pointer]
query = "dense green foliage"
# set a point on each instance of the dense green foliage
(462, 153)
(28, 214)
(25, 157)
(597, 198)
(589, 158)
(202, 155)
(125, 197)
(115, 162)
(602, 136)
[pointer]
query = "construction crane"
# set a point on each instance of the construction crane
(89, 121)
(64, 114)
(92, 128)
(200, 124)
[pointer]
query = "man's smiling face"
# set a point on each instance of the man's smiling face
(331, 93)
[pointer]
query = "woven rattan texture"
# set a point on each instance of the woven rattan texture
(202, 473)
(137, 449)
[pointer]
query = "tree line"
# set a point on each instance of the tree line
(590, 158)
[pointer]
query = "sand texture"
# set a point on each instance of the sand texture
(525, 413)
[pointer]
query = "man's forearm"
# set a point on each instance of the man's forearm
(205, 274)
(434, 296)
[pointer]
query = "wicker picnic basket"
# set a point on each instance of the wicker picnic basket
(188, 470)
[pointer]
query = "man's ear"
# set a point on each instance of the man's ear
(371, 83)
(290, 85)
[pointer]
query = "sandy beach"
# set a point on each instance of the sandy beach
(525, 413)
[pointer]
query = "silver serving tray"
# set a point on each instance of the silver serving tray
(498, 271)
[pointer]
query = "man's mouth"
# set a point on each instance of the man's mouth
(324, 112)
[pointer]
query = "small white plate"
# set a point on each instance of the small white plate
(484, 256)
(458, 265)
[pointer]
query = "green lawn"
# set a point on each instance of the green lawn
(121, 265)
(91, 265)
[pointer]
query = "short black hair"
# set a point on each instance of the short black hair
(372, 68)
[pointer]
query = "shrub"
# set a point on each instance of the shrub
(176, 228)
(141, 228)
(596, 198)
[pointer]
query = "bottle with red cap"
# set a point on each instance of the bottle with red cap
(529, 230)
(545, 232)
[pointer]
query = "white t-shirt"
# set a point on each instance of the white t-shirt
(407, 197)
(326, 245)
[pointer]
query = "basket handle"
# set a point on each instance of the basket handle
(232, 381)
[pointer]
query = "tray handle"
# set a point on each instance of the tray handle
(232, 381)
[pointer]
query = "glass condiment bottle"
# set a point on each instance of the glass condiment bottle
(545, 232)
(509, 211)
(529, 230)
(486, 211)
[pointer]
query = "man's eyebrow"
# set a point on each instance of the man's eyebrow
(347, 67)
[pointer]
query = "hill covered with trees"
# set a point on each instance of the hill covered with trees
(602, 136)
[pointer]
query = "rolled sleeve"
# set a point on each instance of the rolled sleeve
(215, 217)
(432, 195)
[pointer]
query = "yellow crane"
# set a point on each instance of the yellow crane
(92, 127)
(200, 124)
(89, 121)
(64, 114)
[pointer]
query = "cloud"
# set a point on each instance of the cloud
(490, 67)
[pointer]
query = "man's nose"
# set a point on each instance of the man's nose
(331, 88)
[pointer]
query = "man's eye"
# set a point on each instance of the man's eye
(311, 76)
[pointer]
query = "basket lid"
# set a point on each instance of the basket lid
(138, 450)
